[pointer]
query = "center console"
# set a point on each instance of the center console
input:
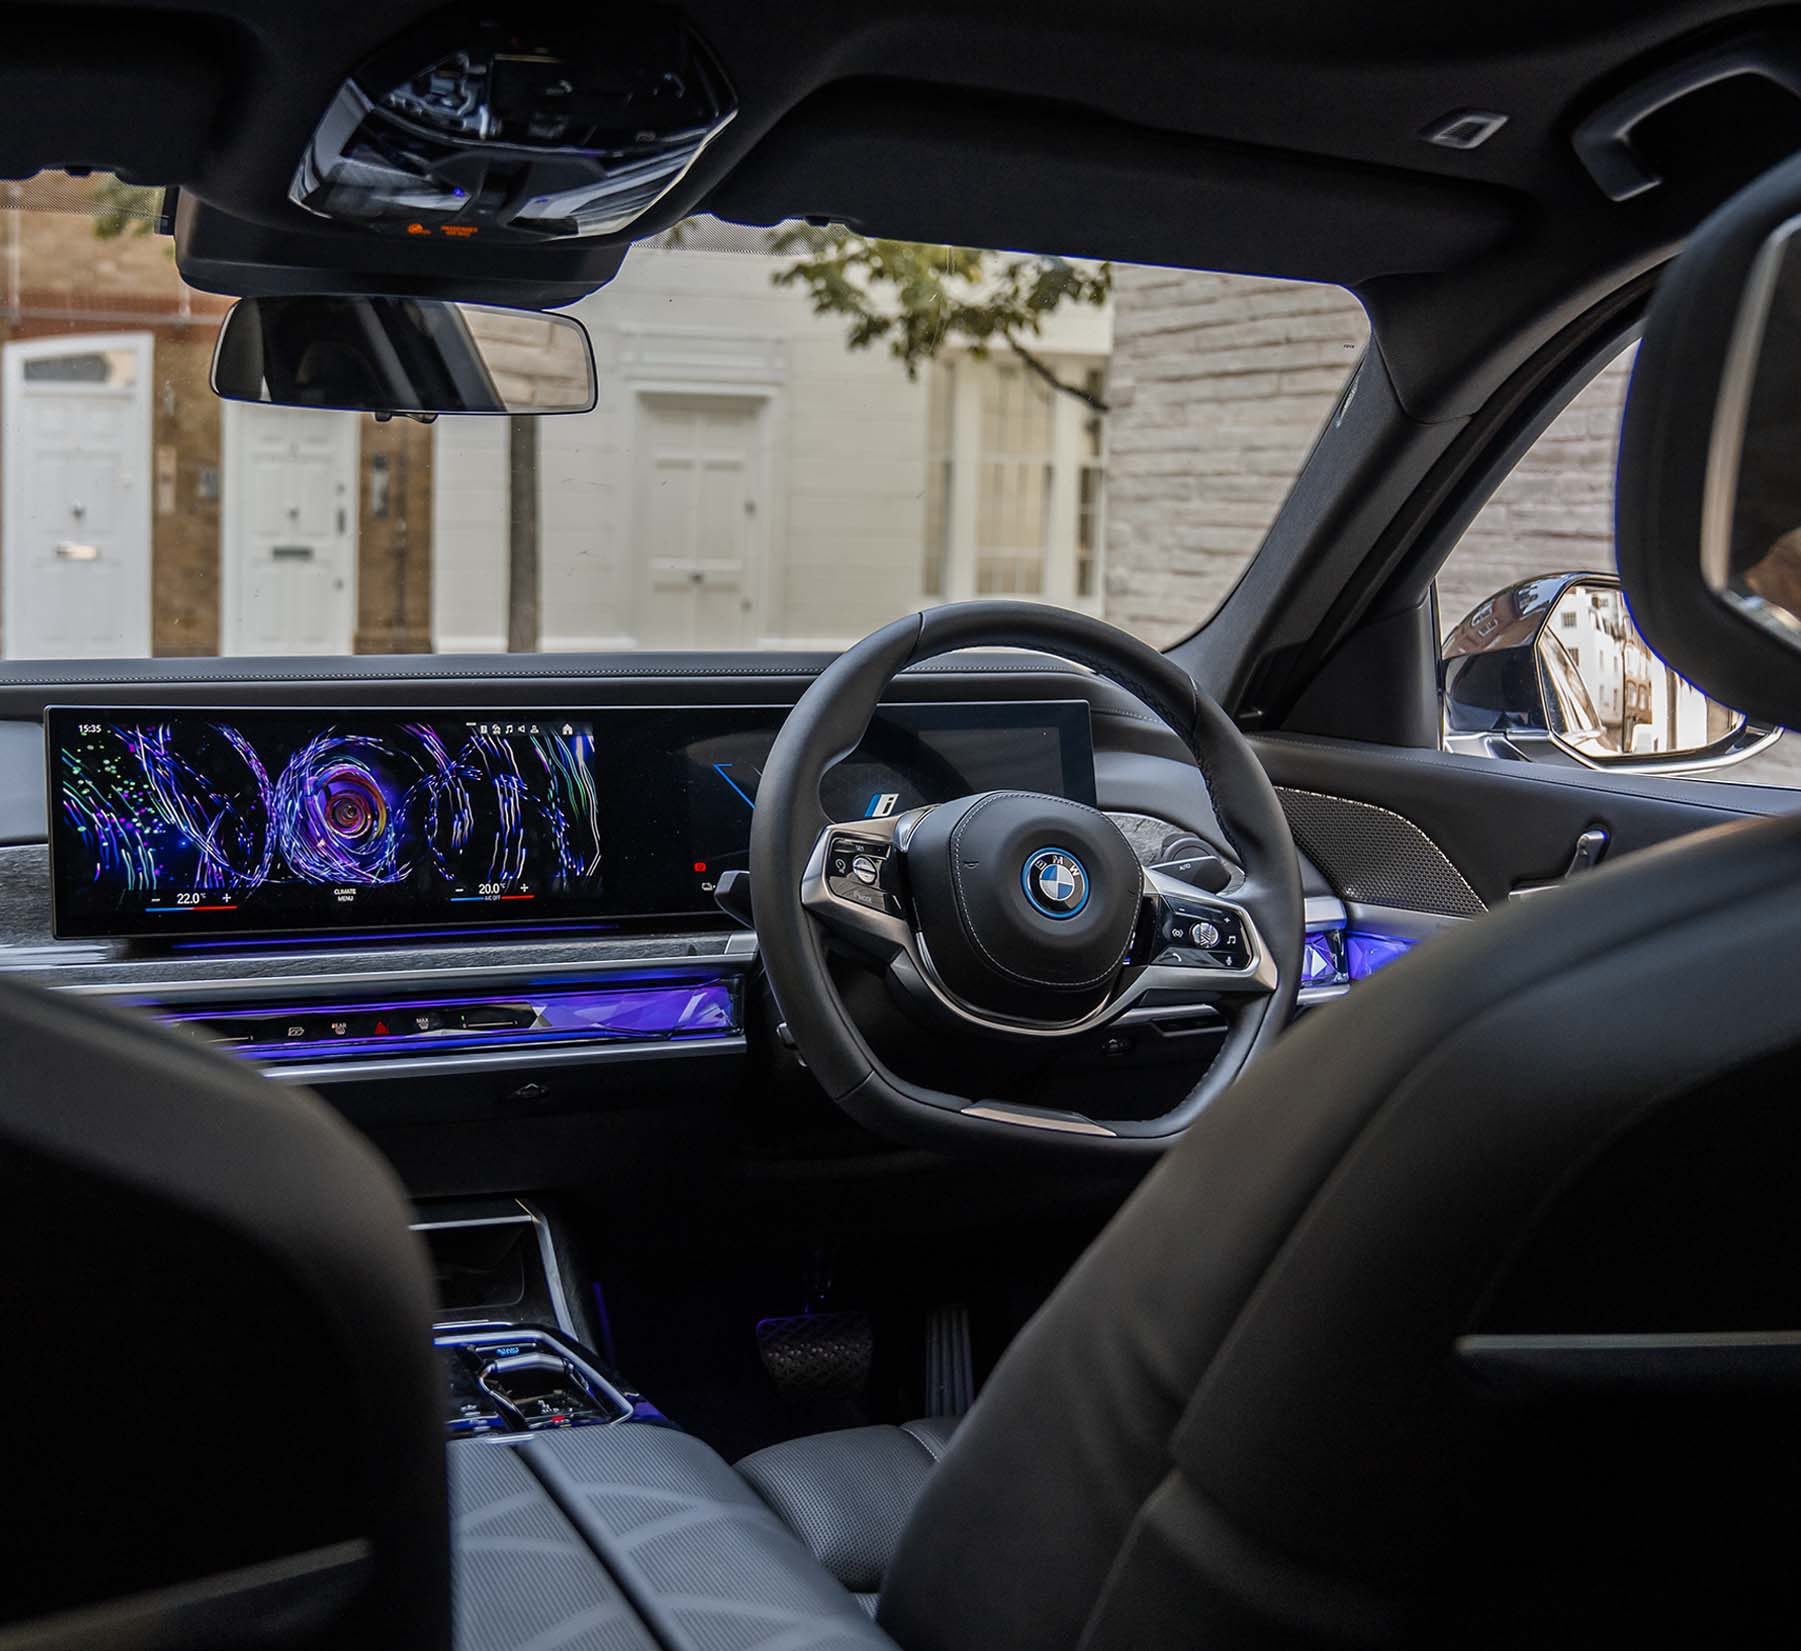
(524, 1379)
(511, 1343)
(567, 1508)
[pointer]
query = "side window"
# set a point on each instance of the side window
(1540, 657)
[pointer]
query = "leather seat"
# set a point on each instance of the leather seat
(1255, 1414)
(847, 1495)
(1240, 1420)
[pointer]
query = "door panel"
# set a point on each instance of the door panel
(1491, 826)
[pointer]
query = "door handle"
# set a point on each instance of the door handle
(1590, 846)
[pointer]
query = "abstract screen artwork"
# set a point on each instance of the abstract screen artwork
(290, 823)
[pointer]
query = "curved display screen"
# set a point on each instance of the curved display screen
(174, 823)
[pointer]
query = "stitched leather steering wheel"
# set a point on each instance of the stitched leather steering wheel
(1016, 914)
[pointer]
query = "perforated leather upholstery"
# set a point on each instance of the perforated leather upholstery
(521, 1576)
(705, 1563)
(847, 1495)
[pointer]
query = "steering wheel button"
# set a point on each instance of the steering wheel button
(1204, 935)
(864, 869)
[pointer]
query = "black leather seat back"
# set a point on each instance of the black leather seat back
(221, 1403)
(1244, 1419)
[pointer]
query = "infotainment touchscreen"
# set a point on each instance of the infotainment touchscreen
(186, 822)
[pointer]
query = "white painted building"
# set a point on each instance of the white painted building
(748, 481)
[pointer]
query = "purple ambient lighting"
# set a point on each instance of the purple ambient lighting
(1366, 953)
(637, 1011)
(1319, 960)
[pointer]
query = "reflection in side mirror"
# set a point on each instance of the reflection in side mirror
(1609, 696)
(1556, 670)
(413, 356)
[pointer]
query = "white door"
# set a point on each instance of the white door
(695, 522)
(287, 531)
(77, 510)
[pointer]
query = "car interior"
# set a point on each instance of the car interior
(1009, 1110)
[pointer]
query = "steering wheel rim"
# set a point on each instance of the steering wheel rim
(789, 835)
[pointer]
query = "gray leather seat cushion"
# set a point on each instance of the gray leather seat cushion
(846, 1495)
(521, 1575)
(706, 1564)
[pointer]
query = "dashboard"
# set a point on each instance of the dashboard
(372, 825)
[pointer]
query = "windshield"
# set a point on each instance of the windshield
(800, 435)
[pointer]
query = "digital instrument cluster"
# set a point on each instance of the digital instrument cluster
(189, 822)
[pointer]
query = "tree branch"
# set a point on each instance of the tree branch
(1045, 371)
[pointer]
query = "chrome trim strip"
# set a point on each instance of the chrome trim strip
(518, 1220)
(1323, 911)
(1311, 995)
(1035, 1120)
(497, 1060)
(1175, 1011)
(553, 1277)
(1402, 923)
(254, 988)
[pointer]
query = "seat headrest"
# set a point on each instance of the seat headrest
(1709, 487)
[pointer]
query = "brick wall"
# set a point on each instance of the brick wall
(1553, 513)
(1218, 385)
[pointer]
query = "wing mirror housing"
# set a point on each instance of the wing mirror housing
(1555, 670)
(412, 357)
(1709, 489)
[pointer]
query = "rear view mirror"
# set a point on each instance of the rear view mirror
(1555, 670)
(413, 356)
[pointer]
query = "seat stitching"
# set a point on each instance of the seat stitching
(937, 1455)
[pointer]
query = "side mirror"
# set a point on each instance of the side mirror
(1555, 670)
(417, 357)
(1709, 487)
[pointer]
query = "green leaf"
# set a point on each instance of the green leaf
(920, 299)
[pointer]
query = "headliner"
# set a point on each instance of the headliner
(1279, 139)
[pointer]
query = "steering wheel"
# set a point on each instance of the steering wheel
(1016, 914)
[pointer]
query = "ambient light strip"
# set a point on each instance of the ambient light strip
(635, 1011)
(1335, 957)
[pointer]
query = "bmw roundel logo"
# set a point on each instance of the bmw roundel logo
(1056, 882)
